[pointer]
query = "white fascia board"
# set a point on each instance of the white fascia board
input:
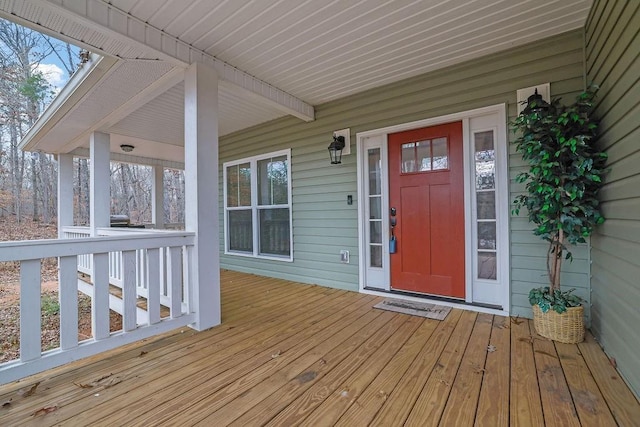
(129, 29)
(78, 86)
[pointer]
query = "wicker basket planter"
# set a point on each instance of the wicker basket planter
(567, 327)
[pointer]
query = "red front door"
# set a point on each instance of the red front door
(426, 193)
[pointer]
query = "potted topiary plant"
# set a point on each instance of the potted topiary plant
(562, 183)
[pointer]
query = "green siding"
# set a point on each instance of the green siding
(324, 223)
(613, 62)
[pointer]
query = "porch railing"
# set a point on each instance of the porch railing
(115, 264)
(114, 258)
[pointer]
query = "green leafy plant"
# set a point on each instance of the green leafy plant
(565, 174)
(557, 300)
(50, 305)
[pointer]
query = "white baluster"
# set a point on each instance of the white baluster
(30, 344)
(68, 296)
(153, 285)
(175, 280)
(100, 298)
(129, 290)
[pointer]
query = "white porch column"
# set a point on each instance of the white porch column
(157, 197)
(65, 192)
(100, 180)
(201, 190)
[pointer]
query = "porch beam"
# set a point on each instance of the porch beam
(126, 28)
(100, 179)
(65, 192)
(201, 191)
(157, 197)
(127, 158)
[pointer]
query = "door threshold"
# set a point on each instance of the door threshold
(436, 299)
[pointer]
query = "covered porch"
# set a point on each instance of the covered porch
(290, 354)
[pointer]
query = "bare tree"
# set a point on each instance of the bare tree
(28, 180)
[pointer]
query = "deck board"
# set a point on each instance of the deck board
(465, 391)
(432, 400)
(346, 393)
(591, 407)
(525, 401)
(371, 400)
(210, 366)
(399, 403)
(619, 398)
(292, 354)
(557, 404)
(493, 408)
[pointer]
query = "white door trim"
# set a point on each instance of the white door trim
(502, 207)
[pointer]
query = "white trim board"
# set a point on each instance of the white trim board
(472, 121)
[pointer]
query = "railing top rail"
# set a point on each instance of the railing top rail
(116, 231)
(51, 248)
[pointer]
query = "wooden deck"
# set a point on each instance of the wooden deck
(290, 354)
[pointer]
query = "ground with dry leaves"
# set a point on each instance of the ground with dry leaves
(50, 309)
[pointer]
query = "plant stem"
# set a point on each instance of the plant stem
(558, 243)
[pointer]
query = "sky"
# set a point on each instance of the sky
(51, 67)
(52, 72)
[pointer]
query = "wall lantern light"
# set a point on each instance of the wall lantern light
(335, 149)
(127, 148)
(535, 104)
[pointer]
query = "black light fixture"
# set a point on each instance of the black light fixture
(535, 104)
(127, 148)
(85, 56)
(335, 149)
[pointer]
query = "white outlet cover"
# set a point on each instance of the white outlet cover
(344, 256)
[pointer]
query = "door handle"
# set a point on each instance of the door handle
(392, 211)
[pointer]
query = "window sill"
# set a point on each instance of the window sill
(263, 257)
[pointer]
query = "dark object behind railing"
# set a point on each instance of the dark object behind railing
(122, 221)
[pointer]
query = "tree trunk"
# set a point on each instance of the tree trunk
(555, 256)
(34, 187)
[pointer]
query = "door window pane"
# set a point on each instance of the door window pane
(274, 231)
(375, 207)
(408, 157)
(485, 159)
(376, 256)
(487, 265)
(376, 231)
(423, 151)
(240, 230)
(486, 201)
(273, 180)
(374, 171)
(440, 151)
(425, 156)
(486, 235)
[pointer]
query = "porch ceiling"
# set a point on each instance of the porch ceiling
(322, 50)
(315, 51)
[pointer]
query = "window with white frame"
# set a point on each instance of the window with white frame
(257, 204)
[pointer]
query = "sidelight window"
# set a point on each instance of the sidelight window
(485, 192)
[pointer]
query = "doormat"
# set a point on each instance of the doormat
(430, 311)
